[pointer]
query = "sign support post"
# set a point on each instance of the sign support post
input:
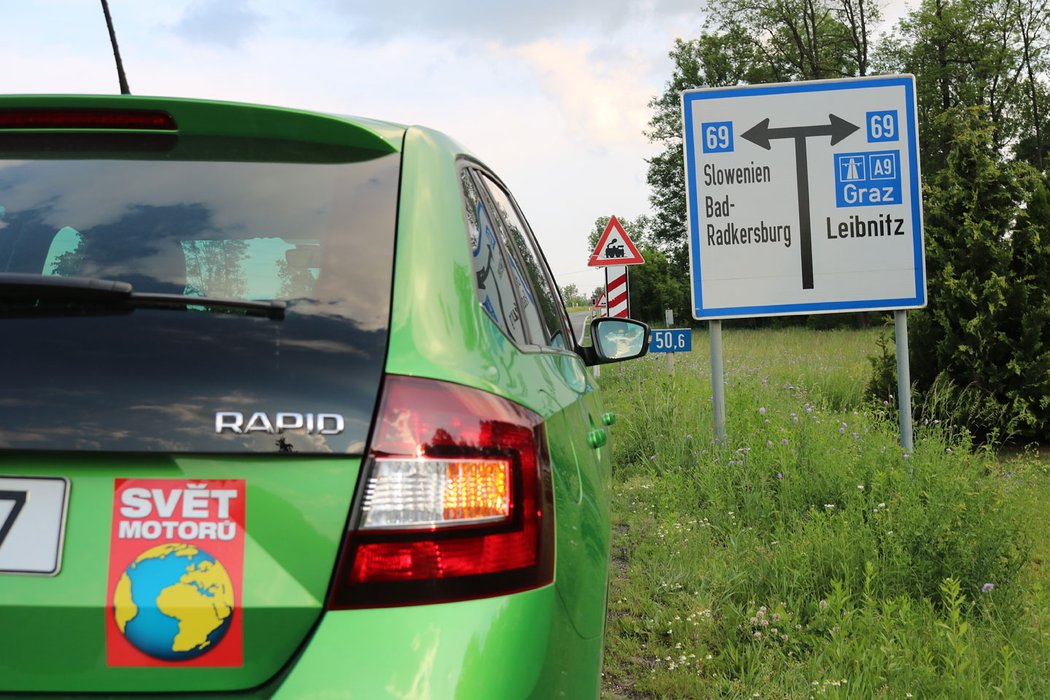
(669, 319)
(900, 330)
(718, 384)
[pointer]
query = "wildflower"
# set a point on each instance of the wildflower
(784, 442)
(842, 428)
(882, 505)
(987, 588)
(823, 604)
(780, 475)
(761, 410)
(769, 443)
(860, 487)
(829, 506)
(758, 636)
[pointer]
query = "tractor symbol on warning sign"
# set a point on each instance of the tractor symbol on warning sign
(614, 250)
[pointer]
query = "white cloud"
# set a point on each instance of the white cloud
(225, 23)
(510, 23)
(604, 101)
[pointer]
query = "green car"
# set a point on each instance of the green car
(290, 408)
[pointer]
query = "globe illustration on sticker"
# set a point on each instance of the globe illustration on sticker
(174, 602)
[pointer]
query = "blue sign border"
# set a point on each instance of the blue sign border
(691, 97)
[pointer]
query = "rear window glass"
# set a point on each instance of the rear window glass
(113, 376)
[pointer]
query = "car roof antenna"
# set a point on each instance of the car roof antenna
(124, 89)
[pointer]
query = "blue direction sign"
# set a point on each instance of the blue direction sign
(804, 198)
(670, 340)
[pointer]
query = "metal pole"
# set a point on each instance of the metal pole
(598, 370)
(900, 323)
(669, 318)
(718, 387)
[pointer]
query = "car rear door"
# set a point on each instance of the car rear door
(195, 321)
(575, 438)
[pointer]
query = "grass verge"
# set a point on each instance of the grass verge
(808, 555)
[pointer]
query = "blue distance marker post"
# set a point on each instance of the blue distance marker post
(670, 341)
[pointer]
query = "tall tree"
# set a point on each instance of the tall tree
(984, 341)
(976, 53)
(756, 41)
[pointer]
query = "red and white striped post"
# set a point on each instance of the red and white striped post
(617, 292)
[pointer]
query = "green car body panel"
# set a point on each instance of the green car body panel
(297, 514)
(476, 353)
(540, 643)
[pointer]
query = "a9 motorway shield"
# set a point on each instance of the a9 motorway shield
(804, 198)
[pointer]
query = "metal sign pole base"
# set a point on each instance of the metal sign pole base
(718, 386)
(900, 325)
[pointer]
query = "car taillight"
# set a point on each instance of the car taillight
(58, 118)
(456, 500)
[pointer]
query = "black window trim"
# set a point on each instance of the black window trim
(475, 167)
(464, 168)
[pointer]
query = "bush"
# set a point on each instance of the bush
(981, 350)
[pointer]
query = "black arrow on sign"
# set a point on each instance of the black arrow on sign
(761, 134)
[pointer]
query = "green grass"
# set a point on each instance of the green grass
(807, 554)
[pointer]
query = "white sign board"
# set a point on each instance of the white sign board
(804, 198)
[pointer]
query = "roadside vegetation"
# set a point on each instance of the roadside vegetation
(808, 555)
(982, 72)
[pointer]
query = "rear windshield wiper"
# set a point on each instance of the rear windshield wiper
(28, 287)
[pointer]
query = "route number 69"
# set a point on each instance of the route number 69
(882, 126)
(717, 137)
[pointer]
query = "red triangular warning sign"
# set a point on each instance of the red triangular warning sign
(615, 248)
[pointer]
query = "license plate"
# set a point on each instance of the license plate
(32, 524)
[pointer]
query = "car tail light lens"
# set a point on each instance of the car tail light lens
(409, 493)
(131, 119)
(456, 501)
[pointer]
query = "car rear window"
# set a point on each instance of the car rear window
(83, 372)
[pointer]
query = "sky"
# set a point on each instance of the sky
(552, 95)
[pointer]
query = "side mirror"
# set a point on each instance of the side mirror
(615, 340)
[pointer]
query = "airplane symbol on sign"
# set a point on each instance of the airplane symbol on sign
(854, 169)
